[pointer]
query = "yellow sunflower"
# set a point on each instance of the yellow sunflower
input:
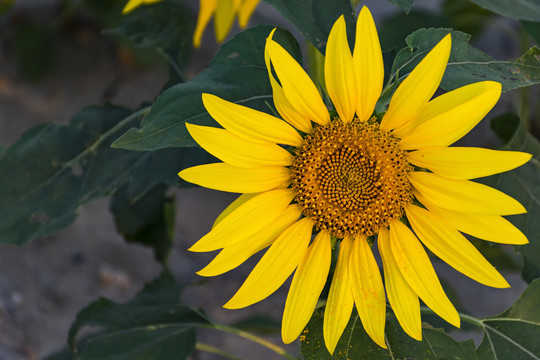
(345, 179)
(224, 12)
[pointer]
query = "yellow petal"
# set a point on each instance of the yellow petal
(452, 115)
(132, 4)
(467, 163)
(368, 290)
(493, 228)
(234, 255)
(275, 266)
(246, 10)
(416, 268)
(452, 247)
(464, 196)
(419, 86)
(340, 300)
(246, 220)
(401, 296)
(233, 206)
(236, 151)
(206, 9)
(223, 19)
(225, 177)
(285, 109)
(368, 64)
(339, 71)
(297, 86)
(250, 124)
(306, 287)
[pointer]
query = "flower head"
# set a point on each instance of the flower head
(314, 181)
(224, 12)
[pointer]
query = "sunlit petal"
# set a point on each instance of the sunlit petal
(368, 64)
(246, 220)
(275, 266)
(297, 86)
(132, 4)
(452, 115)
(419, 86)
(283, 106)
(225, 177)
(306, 287)
(236, 151)
(250, 124)
(340, 301)
(233, 206)
(368, 290)
(339, 72)
(401, 296)
(493, 228)
(467, 163)
(416, 268)
(452, 247)
(232, 256)
(464, 195)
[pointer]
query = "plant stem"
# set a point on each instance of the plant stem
(214, 350)
(253, 338)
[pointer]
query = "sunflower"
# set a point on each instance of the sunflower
(321, 179)
(225, 11)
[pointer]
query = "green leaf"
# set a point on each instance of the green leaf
(519, 9)
(468, 64)
(523, 184)
(148, 220)
(165, 26)
(315, 18)
(154, 325)
(406, 5)
(236, 73)
(356, 344)
(514, 333)
(53, 169)
(466, 16)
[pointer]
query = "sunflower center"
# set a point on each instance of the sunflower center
(351, 179)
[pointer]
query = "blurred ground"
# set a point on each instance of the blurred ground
(45, 283)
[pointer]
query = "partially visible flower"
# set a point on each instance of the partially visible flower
(349, 178)
(132, 4)
(224, 12)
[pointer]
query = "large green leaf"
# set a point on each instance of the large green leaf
(356, 344)
(315, 18)
(154, 325)
(53, 169)
(236, 73)
(523, 184)
(468, 64)
(519, 9)
(514, 334)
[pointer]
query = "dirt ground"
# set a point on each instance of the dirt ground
(45, 283)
